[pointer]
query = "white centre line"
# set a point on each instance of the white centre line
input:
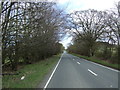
(52, 73)
(92, 72)
(78, 62)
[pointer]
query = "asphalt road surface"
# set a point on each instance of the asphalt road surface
(75, 72)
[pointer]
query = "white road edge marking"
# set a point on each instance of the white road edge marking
(92, 72)
(52, 73)
(78, 62)
(105, 67)
(100, 65)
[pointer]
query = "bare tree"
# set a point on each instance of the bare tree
(88, 26)
(30, 31)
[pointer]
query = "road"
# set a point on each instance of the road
(75, 72)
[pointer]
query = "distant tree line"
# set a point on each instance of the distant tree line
(96, 33)
(30, 31)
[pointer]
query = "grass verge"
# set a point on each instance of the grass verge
(33, 73)
(115, 66)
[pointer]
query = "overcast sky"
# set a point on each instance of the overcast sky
(76, 5)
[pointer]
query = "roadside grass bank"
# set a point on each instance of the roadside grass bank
(105, 63)
(34, 74)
